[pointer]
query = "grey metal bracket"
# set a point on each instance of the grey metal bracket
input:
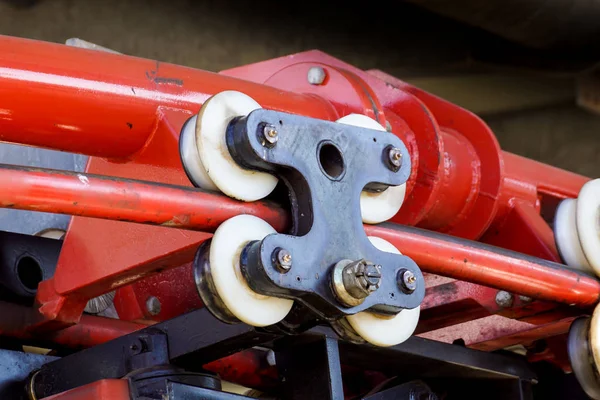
(325, 166)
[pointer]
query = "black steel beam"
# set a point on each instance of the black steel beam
(310, 370)
(15, 367)
(193, 339)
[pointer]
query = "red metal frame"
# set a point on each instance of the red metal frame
(127, 113)
(114, 389)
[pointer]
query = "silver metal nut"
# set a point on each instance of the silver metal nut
(361, 278)
(283, 260)
(407, 281)
(316, 75)
(353, 281)
(395, 157)
(270, 135)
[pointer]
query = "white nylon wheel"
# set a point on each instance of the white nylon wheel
(381, 330)
(190, 157)
(376, 207)
(588, 222)
(227, 244)
(567, 238)
(227, 175)
(594, 336)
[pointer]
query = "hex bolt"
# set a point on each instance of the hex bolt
(407, 281)
(283, 260)
(361, 278)
(153, 305)
(316, 75)
(270, 136)
(136, 347)
(504, 299)
(394, 157)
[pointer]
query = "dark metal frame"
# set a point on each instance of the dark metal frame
(325, 208)
(309, 364)
(18, 283)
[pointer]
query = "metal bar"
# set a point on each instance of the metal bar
(321, 358)
(246, 368)
(152, 203)
(419, 358)
(193, 339)
(204, 337)
(125, 200)
(104, 104)
(90, 331)
(15, 367)
(491, 266)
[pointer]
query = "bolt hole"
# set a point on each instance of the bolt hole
(280, 122)
(375, 140)
(392, 295)
(29, 272)
(331, 160)
(298, 279)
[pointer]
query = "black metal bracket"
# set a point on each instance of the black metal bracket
(325, 166)
(24, 262)
(309, 364)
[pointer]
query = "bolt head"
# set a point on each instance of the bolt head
(283, 260)
(153, 305)
(395, 157)
(270, 135)
(316, 75)
(407, 281)
(369, 276)
(361, 278)
(504, 299)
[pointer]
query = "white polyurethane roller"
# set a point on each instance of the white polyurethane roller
(191, 159)
(594, 337)
(382, 330)
(588, 222)
(227, 244)
(376, 207)
(226, 175)
(567, 236)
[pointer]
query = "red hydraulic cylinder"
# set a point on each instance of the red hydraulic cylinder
(104, 104)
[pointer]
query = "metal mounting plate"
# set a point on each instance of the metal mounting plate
(325, 165)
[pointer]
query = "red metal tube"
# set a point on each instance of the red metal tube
(108, 101)
(90, 331)
(102, 197)
(492, 266)
(125, 200)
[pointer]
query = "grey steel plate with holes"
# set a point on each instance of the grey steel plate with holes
(325, 165)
